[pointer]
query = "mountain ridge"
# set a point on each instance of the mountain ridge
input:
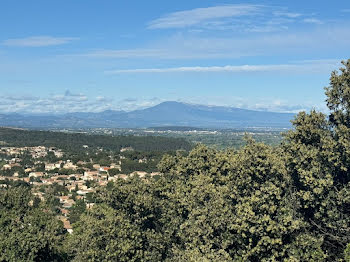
(169, 113)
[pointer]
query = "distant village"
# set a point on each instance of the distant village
(79, 179)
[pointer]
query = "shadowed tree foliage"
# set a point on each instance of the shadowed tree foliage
(318, 158)
(104, 234)
(29, 231)
(76, 210)
(236, 206)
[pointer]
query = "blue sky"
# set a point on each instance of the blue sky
(64, 56)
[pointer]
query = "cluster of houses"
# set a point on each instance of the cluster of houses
(80, 181)
(35, 152)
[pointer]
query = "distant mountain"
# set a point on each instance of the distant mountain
(165, 114)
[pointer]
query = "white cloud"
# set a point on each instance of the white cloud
(206, 69)
(130, 104)
(38, 41)
(196, 16)
(49, 104)
(19, 104)
(60, 104)
(297, 67)
(103, 99)
(55, 103)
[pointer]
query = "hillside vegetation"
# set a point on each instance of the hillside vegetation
(75, 141)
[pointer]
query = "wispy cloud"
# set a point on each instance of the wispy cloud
(127, 53)
(234, 17)
(182, 46)
(196, 16)
(180, 51)
(206, 69)
(312, 21)
(287, 14)
(20, 98)
(269, 37)
(297, 67)
(38, 41)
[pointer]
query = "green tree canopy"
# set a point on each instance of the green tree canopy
(29, 232)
